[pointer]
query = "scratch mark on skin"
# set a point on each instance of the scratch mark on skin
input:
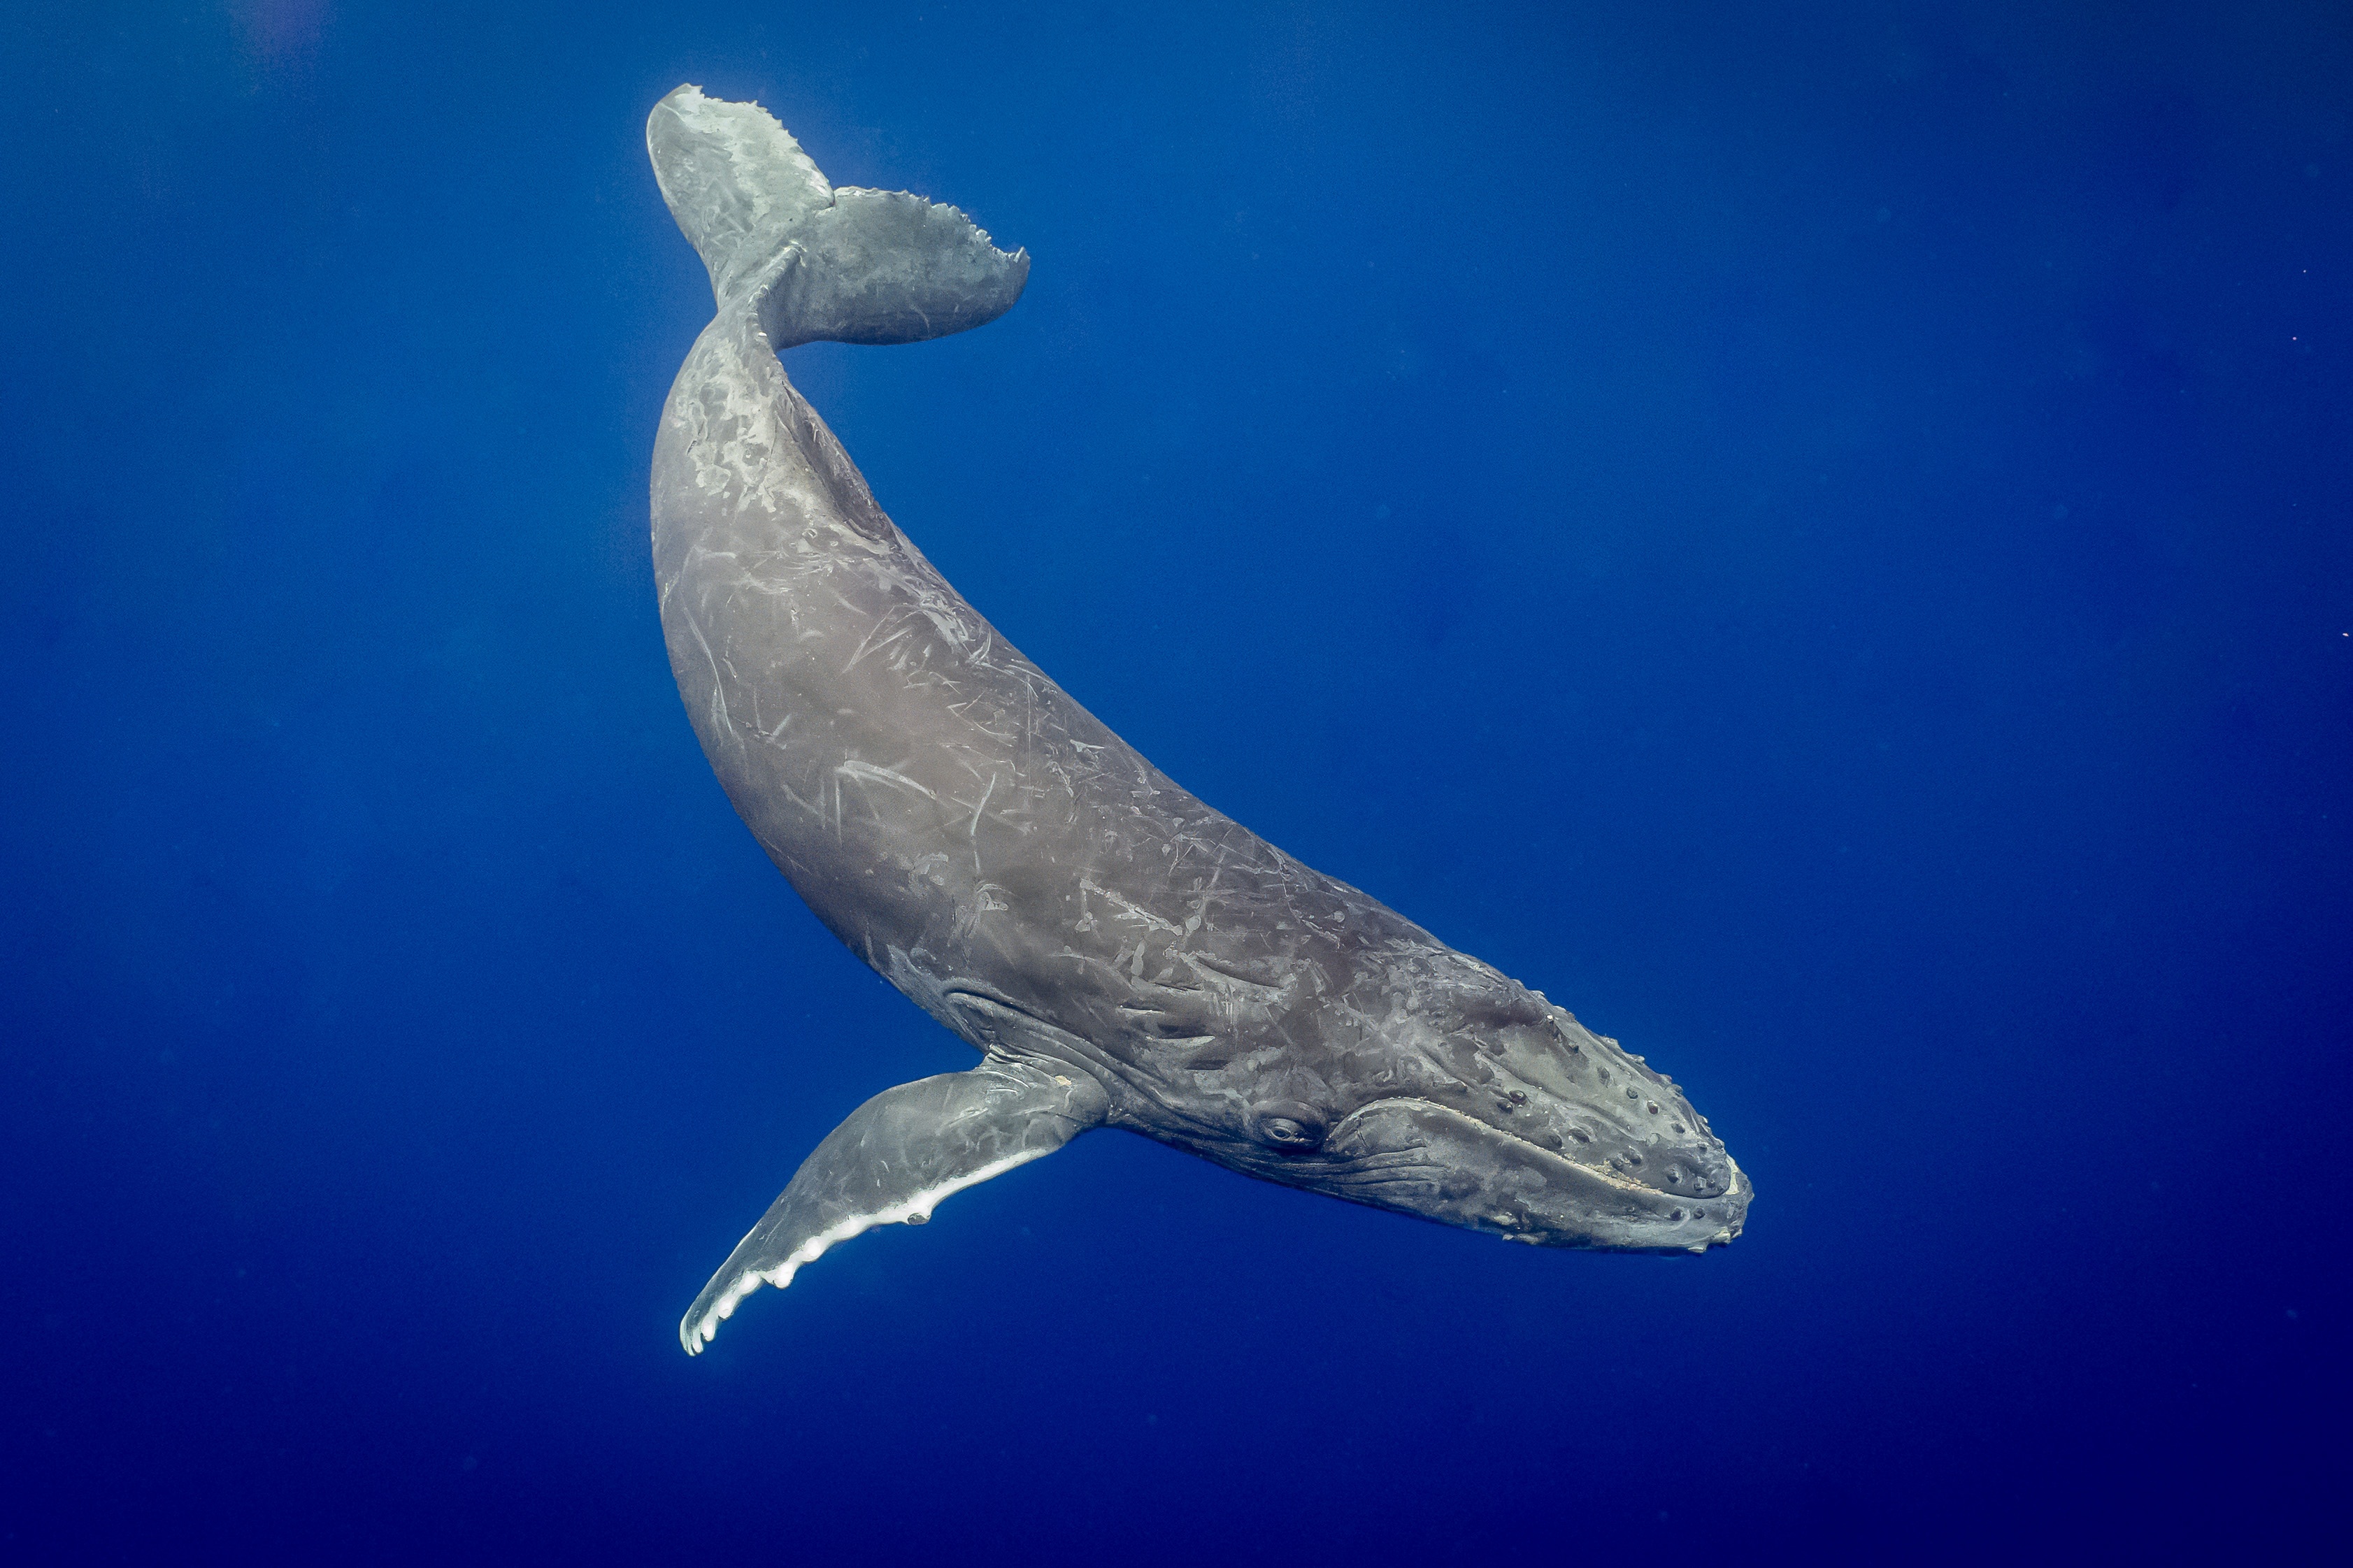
(871, 645)
(974, 831)
(867, 773)
(1133, 911)
(818, 812)
(718, 694)
(984, 900)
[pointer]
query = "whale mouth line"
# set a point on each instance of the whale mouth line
(1553, 1156)
(1723, 1212)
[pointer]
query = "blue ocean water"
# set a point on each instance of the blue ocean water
(1819, 536)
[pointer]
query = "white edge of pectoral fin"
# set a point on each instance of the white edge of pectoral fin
(698, 1330)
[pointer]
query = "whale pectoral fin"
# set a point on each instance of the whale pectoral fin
(892, 1162)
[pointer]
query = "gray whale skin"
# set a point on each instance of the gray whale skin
(1120, 954)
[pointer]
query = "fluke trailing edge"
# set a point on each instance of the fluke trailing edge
(1120, 954)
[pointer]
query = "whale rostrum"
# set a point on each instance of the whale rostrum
(1120, 954)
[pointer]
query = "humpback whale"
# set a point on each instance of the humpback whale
(1120, 954)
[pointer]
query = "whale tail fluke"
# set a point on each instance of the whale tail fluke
(818, 264)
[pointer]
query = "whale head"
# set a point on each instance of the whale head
(1453, 1094)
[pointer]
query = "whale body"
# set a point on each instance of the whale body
(1119, 953)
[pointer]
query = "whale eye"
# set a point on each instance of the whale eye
(1290, 1129)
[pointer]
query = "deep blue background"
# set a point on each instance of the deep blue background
(1821, 537)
